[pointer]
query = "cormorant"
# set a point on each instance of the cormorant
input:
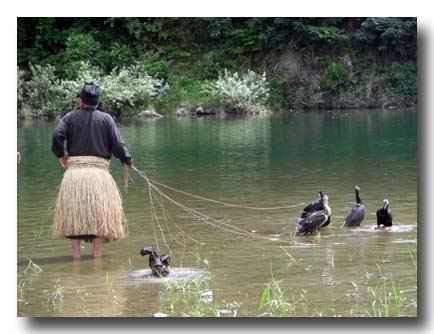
(357, 213)
(158, 264)
(384, 215)
(317, 219)
(315, 207)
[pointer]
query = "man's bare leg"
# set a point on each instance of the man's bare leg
(97, 247)
(75, 243)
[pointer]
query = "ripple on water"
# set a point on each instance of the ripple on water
(176, 274)
(404, 241)
(392, 229)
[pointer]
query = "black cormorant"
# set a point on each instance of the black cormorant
(384, 215)
(158, 264)
(315, 207)
(317, 219)
(357, 213)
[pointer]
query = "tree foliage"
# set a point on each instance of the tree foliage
(396, 36)
(185, 52)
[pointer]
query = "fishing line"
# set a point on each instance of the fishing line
(202, 217)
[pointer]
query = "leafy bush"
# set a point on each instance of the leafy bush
(336, 76)
(318, 36)
(44, 94)
(213, 63)
(395, 35)
(404, 79)
(130, 88)
(20, 87)
(240, 93)
(154, 65)
(81, 46)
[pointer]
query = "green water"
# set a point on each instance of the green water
(264, 161)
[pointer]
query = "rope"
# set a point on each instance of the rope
(226, 204)
(197, 214)
(204, 218)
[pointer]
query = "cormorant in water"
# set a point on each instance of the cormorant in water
(158, 264)
(315, 207)
(315, 220)
(384, 215)
(357, 213)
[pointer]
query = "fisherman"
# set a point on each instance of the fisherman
(89, 205)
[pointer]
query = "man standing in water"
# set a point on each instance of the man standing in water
(89, 205)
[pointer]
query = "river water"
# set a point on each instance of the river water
(260, 161)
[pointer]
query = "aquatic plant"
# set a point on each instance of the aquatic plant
(274, 302)
(33, 267)
(55, 298)
(196, 283)
(410, 252)
(21, 287)
(288, 254)
(111, 293)
(200, 261)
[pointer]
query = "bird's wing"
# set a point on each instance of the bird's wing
(355, 216)
(311, 208)
(312, 222)
(326, 223)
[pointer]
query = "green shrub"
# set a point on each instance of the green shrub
(213, 63)
(154, 65)
(315, 37)
(44, 94)
(404, 79)
(240, 93)
(392, 34)
(21, 86)
(336, 76)
(130, 88)
(81, 46)
(127, 88)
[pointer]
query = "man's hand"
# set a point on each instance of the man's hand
(64, 161)
(126, 166)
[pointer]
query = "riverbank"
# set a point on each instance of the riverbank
(173, 65)
(193, 113)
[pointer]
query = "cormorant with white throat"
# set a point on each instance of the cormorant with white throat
(317, 219)
(316, 206)
(384, 215)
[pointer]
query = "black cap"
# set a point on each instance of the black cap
(90, 94)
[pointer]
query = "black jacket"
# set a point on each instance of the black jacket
(89, 133)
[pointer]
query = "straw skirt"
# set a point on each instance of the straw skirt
(89, 204)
